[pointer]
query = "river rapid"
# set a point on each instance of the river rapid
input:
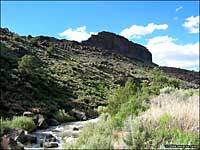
(64, 133)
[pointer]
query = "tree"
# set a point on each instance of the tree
(29, 64)
(49, 51)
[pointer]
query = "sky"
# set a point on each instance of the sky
(169, 29)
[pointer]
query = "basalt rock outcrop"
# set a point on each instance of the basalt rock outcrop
(183, 74)
(119, 45)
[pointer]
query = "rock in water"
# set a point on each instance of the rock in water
(75, 129)
(19, 135)
(50, 144)
(9, 143)
(78, 114)
(40, 121)
(31, 138)
(53, 122)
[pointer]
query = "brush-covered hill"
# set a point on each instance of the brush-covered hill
(48, 74)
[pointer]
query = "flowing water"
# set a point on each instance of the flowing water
(64, 133)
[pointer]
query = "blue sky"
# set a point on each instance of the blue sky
(170, 30)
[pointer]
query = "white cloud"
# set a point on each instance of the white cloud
(167, 53)
(192, 24)
(136, 31)
(179, 8)
(79, 34)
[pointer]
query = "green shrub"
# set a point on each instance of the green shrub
(49, 51)
(29, 64)
(5, 126)
(167, 90)
(25, 123)
(96, 136)
(122, 96)
(102, 109)
(62, 116)
(34, 41)
(142, 134)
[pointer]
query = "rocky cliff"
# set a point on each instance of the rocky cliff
(120, 45)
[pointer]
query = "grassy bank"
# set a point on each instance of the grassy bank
(141, 116)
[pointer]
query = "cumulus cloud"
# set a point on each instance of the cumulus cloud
(179, 8)
(136, 31)
(79, 34)
(192, 24)
(167, 53)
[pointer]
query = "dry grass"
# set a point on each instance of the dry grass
(183, 108)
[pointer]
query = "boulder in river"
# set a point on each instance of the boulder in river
(53, 122)
(78, 114)
(50, 138)
(9, 143)
(31, 138)
(40, 121)
(22, 136)
(19, 135)
(50, 144)
(75, 129)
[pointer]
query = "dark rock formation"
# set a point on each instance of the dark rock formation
(9, 143)
(53, 122)
(40, 121)
(183, 74)
(119, 45)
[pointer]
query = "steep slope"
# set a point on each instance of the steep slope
(71, 76)
(64, 74)
(183, 74)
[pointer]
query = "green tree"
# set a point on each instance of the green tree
(49, 51)
(29, 64)
(121, 96)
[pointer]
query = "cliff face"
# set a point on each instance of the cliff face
(120, 45)
(183, 74)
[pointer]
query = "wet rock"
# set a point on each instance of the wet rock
(19, 135)
(9, 143)
(22, 136)
(40, 121)
(78, 114)
(53, 122)
(50, 144)
(28, 114)
(50, 138)
(31, 138)
(75, 129)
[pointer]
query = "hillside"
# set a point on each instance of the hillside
(48, 74)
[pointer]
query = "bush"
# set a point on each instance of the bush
(62, 116)
(49, 51)
(142, 134)
(167, 90)
(96, 136)
(29, 64)
(25, 123)
(34, 41)
(122, 96)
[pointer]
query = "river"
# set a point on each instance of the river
(64, 133)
